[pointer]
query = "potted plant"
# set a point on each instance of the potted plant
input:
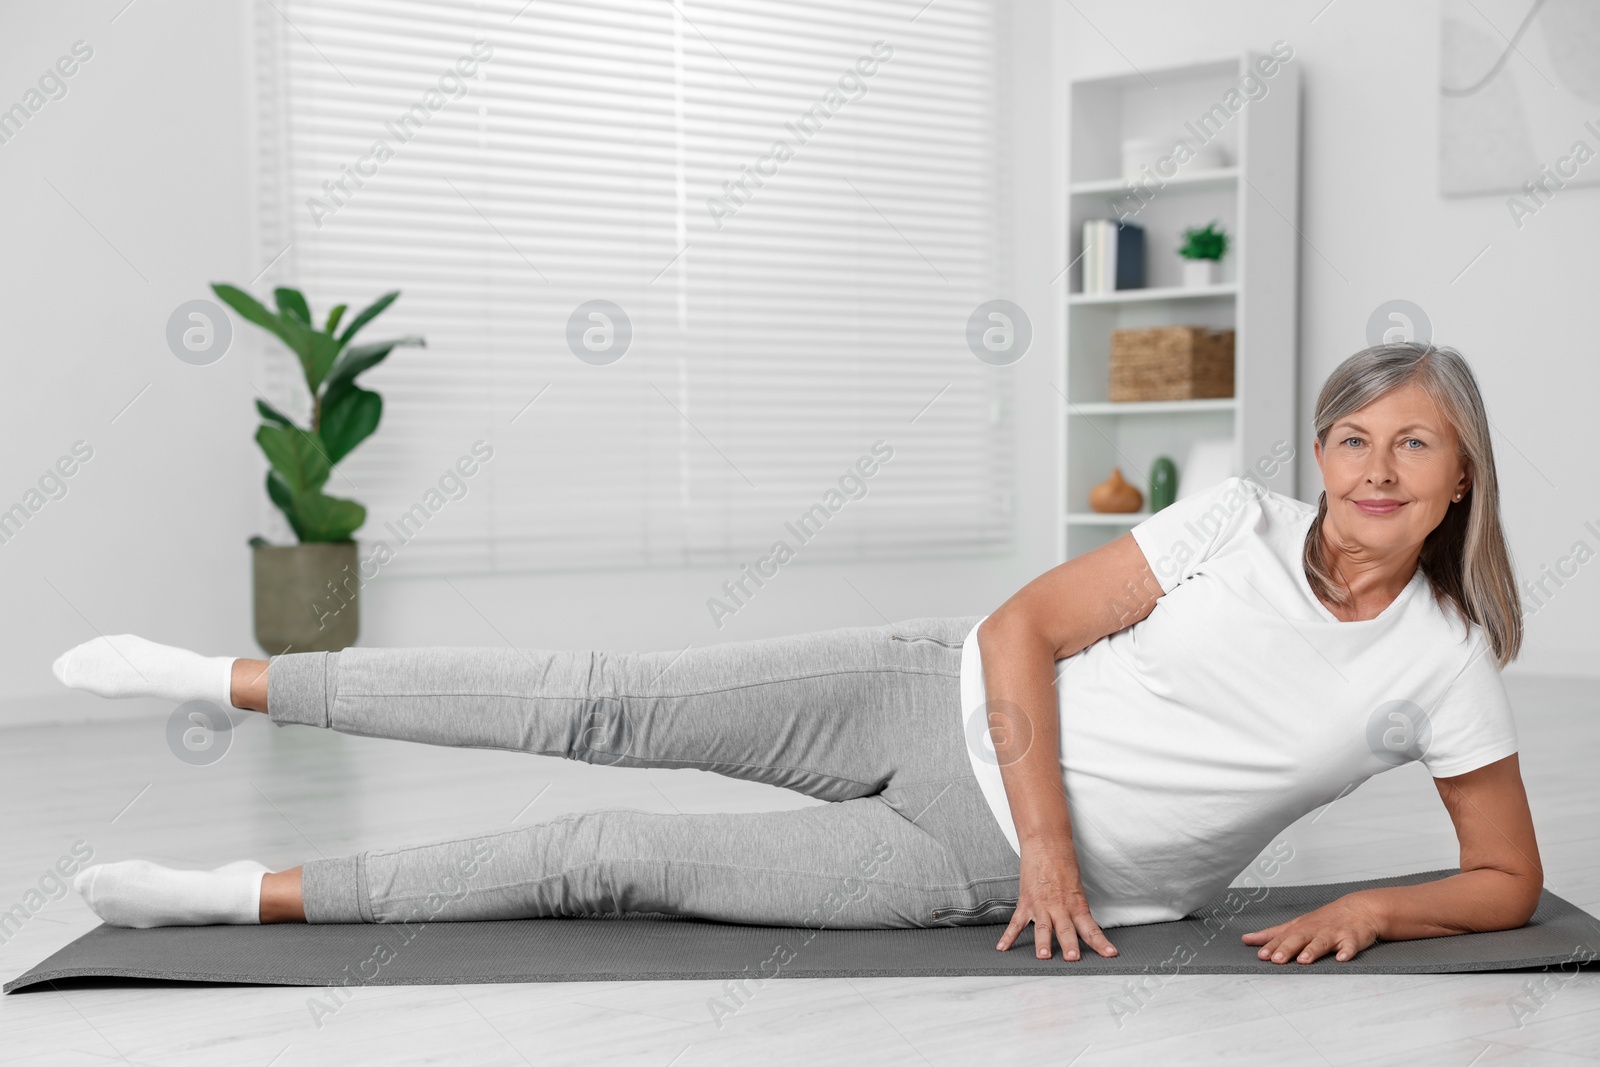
(305, 594)
(1202, 248)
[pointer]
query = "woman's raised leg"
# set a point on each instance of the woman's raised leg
(835, 715)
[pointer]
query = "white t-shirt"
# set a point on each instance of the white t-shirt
(1193, 737)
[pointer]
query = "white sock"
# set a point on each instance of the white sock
(130, 666)
(142, 894)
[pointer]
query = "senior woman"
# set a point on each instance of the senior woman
(1112, 745)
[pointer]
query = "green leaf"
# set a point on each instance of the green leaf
(315, 350)
(321, 352)
(246, 305)
(1204, 242)
(252, 310)
(298, 337)
(282, 496)
(333, 318)
(348, 420)
(292, 325)
(372, 312)
(358, 358)
(272, 414)
(314, 516)
(295, 455)
(292, 302)
(328, 518)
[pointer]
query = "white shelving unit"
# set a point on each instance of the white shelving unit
(1255, 198)
(1138, 296)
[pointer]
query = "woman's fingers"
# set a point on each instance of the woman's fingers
(1052, 899)
(1263, 935)
(1067, 935)
(1282, 945)
(1315, 949)
(1092, 935)
(1279, 948)
(1068, 928)
(1065, 928)
(1345, 927)
(1019, 922)
(1043, 928)
(1041, 935)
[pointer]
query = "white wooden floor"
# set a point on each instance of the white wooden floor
(283, 794)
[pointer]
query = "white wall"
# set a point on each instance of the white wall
(1376, 229)
(147, 145)
(151, 144)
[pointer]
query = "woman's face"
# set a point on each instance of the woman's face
(1398, 450)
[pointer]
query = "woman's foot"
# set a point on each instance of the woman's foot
(142, 894)
(128, 666)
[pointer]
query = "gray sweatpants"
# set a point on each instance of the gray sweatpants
(863, 717)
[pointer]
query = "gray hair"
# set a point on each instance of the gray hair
(1465, 557)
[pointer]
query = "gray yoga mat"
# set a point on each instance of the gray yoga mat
(639, 949)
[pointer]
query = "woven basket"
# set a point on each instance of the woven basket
(1171, 363)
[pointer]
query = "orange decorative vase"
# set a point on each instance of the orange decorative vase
(1115, 495)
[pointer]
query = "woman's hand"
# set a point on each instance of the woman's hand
(1347, 925)
(1052, 899)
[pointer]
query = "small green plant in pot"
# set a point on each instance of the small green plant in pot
(1202, 249)
(306, 593)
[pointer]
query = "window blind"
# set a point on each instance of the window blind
(794, 206)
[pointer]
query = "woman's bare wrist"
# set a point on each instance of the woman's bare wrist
(1043, 842)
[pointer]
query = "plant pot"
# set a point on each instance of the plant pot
(306, 597)
(1199, 272)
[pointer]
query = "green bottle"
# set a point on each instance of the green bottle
(1163, 483)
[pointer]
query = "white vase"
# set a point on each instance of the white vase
(1199, 272)
(1141, 152)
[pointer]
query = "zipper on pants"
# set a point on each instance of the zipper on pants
(934, 640)
(992, 904)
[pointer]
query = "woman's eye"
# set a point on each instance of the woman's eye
(1409, 440)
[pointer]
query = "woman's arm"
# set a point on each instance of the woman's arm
(1498, 888)
(1061, 612)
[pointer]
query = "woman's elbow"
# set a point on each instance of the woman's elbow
(1527, 903)
(1517, 904)
(1002, 626)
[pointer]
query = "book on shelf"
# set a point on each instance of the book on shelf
(1094, 243)
(1113, 256)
